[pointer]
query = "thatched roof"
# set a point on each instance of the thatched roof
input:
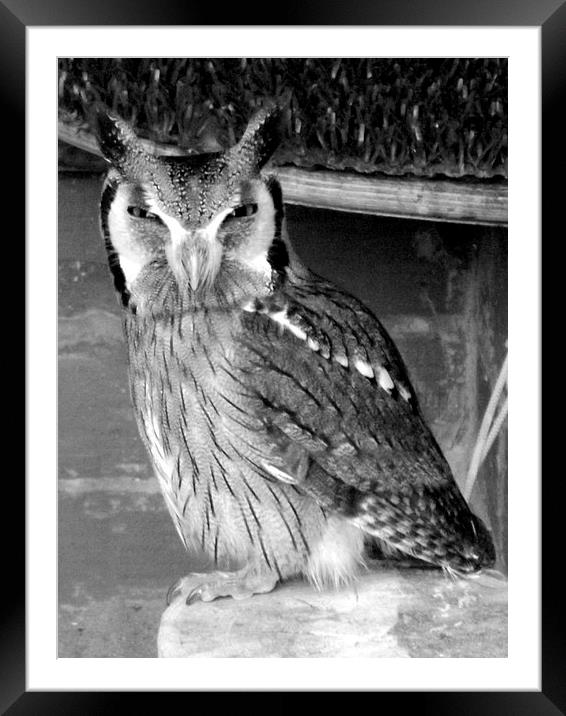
(421, 117)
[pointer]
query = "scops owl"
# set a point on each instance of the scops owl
(277, 411)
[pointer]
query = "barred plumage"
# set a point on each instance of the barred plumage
(277, 412)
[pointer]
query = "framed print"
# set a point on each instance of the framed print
(101, 542)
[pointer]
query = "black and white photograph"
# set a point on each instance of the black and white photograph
(286, 359)
(298, 400)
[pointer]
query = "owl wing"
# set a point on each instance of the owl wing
(343, 422)
(326, 375)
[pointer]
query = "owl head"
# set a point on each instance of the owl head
(199, 229)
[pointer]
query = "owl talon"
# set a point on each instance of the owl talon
(194, 596)
(174, 591)
(215, 585)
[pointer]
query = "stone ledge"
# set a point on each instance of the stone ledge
(393, 612)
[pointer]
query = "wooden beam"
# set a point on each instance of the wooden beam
(456, 200)
(405, 197)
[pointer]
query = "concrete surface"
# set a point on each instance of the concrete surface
(118, 550)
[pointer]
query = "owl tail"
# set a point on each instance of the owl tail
(437, 528)
(435, 525)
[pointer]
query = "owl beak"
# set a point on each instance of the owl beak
(188, 256)
(194, 254)
(194, 270)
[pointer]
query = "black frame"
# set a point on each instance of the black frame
(550, 16)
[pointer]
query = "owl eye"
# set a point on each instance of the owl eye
(140, 213)
(243, 211)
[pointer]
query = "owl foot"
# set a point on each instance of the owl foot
(208, 586)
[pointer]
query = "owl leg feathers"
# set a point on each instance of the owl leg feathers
(208, 586)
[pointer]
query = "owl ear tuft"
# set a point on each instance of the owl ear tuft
(116, 139)
(261, 137)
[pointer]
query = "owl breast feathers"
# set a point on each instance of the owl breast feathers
(277, 411)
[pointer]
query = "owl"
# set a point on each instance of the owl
(276, 410)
